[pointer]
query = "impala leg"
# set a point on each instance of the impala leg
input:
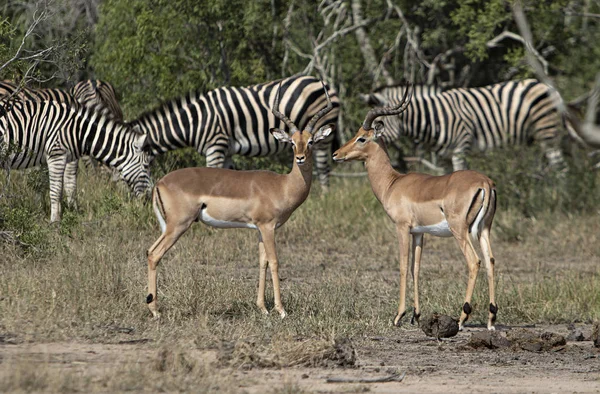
(403, 239)
(70, 181)
(417, 248)
(268, 235)
(262, 255)
(473, 264)
(56, 168)
(488, 257)
(155, 253)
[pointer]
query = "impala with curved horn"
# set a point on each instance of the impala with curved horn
(456, 205)
(261, 200)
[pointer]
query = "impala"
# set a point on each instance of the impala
(460, 205)
(261, 200)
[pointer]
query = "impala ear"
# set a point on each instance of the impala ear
(378, 129)
(280, 135)
(323, 132)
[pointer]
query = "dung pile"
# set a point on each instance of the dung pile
(439, 326)
(517, 339)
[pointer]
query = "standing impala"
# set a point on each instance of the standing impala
(261, 200)
(453, 205)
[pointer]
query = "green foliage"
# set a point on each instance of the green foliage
(156, 50)
(526, 186)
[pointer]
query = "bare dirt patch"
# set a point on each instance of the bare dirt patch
(431, 366)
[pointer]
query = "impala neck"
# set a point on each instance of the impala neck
(299, 179)
(379, 169)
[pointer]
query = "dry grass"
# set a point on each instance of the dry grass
(87, 281)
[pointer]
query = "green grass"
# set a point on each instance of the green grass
(339, 268)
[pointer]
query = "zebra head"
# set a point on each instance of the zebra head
(302, 140)
(134, 167)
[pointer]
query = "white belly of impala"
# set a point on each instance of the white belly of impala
(441, 229)
(209, 220)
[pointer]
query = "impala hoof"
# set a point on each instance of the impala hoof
(398, 319)
(415, 318)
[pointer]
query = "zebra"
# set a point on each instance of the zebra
(236, 120)
(388, 95)
(96, 93)
(453, 122)
(90, 93)
(55, 132)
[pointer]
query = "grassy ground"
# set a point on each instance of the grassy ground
(86, 281)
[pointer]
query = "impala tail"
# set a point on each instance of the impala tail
(482, 209)
(159, 209)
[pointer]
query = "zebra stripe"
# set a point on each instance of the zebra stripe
(53, 132)
(453, 122)
(236, 120)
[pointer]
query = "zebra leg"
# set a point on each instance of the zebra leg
(56, 168)
(322, 155)
(459, 162)
(70, 182)
(215, 156)
(554, 155)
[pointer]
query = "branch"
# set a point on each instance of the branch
(28, 33)
(495, 42)
(585, 14)
(533, 58)
(391, 378)
(410, 34)
(587, 131)
(287, 22)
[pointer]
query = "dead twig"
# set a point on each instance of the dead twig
(391, 378)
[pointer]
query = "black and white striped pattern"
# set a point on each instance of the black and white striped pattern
(54, 132)
(236, 120)
(453, 122)
(95, 94)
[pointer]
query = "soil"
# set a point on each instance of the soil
(430, 365)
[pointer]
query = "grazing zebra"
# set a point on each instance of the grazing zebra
(236, 120)
(455, 121)
(54, 132)
(90, 93)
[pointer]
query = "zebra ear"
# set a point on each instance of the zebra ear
(140, 141)
(136, 129)
(280, 135)
(378, 128)
(323, 132)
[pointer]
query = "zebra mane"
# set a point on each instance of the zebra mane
(174, 101)
(403, 84)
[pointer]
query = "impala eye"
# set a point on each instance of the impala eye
(361, 140)
(310, 142)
